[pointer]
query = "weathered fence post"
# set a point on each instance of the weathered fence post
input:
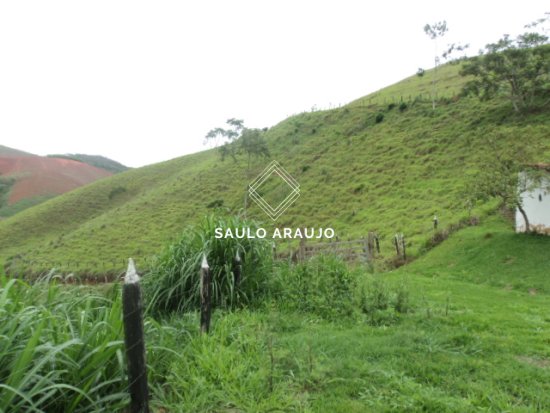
(396, 243)
(436, 222)
(206, 305)
(302, 250)
(134, 341)
(365, 243)
(370, 243)
(237, 270)
(377, 241)
(404, 247)
(274, 250)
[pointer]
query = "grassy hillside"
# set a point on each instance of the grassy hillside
(467, 346)
(355, 174)
(95, 160)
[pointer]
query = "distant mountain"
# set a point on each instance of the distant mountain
(5, 152)
(95, 160)
(27, 179)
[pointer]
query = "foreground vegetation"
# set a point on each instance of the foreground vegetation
(463, 328)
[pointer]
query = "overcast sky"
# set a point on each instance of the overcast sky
(142, 82)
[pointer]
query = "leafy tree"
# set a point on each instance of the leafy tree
(239, 140)
(517, 68)
(253, 143)
(507, 173)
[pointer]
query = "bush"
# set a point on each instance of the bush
(402, 106)
(116, 191)
(382, 304)
(217, 203)
(173, 282)
(379, 118)
(322, 285)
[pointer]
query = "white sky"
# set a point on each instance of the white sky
(142, 82)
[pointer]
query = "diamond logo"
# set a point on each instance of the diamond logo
(274, 170)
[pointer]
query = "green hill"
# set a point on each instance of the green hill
(356, 174)
(94, 160)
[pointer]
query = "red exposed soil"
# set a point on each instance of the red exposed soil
(36, 175)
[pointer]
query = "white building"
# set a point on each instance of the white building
(536, 204)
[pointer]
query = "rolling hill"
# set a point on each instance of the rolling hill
(6, 152)
(27, 179)
(386, 162)
(95, 160)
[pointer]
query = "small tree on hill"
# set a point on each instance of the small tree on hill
(237, 139)
(517, 68)
(240, 140)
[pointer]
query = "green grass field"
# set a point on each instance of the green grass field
(469, 344)
(475, 338)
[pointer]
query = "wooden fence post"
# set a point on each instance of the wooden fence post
(302, 250)
(436, 222)
(365, 243)
(404, 248)
(377, 241)
(396, 243)
(206, 305)
(370, 243)
(237, 270)
(134, 341)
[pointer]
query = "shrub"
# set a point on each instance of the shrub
(381, 303)
(116, 191)
(402, 106)
(217, 203)
(391, 106)
(322, 285)
(173, 282)
(379, 118)
(359, 189)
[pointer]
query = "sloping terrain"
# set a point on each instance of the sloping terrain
(356, 174)
(10, 152)
(476, 340)
(95, 160)
(30, 179)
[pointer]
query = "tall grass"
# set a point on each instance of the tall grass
(323, 285)
(59, 352)
(235, 368)
(173, 282)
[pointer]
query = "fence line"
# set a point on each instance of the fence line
(361, 249)
(367, 103)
